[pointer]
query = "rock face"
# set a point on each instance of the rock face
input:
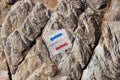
(3, 64)
(105, 63)
(92, 26)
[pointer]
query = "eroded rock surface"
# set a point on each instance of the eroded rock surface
(92, 27)
(3, 64)
(105, 63)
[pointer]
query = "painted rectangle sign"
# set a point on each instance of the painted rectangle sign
(57, 41)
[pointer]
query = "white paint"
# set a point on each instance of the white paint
(53, 33)
(57, 42)
(53, 47)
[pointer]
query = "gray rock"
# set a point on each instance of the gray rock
(15, 18)
(91, 27)
(105, 63)
(27, 33)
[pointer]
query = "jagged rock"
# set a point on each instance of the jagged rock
(88, 27)
(68, 7)
(105, 63)
(85, 27)
(15, 18)
(3, 11)
(25, 35)
(113, 13)
(3, 65)
(37, 56)
(98, 4)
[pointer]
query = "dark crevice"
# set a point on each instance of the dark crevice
(47, 50)
(103, 6)
(117, 17)
(96, 43)
(97, 37)
(9, 72)
(24, 52)
(92, 52)
(98, 32)
(10, 2)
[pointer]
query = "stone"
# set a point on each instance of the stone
(85, 31)
(113, 8)
(3, 67)
(98, 4)
(105, 63)
(38, 62)
(3, 64)
(15, 18)
(3, 11)
(15, 51)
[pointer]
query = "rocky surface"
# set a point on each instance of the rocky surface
(4, 70)
(92, 27)
(3, 64)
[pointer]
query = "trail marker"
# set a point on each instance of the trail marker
(58, 41)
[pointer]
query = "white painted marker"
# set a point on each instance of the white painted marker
(57, 41)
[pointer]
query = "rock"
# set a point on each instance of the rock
(40, 74)
(87, 47)
(98, 4)
(67, 57)
(69, 7)
(3, 64)
(15, 51)
(105, 62)
(113, 13)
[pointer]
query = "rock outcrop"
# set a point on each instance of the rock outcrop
(91, 28)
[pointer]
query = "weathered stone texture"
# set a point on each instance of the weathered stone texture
(92, 27)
